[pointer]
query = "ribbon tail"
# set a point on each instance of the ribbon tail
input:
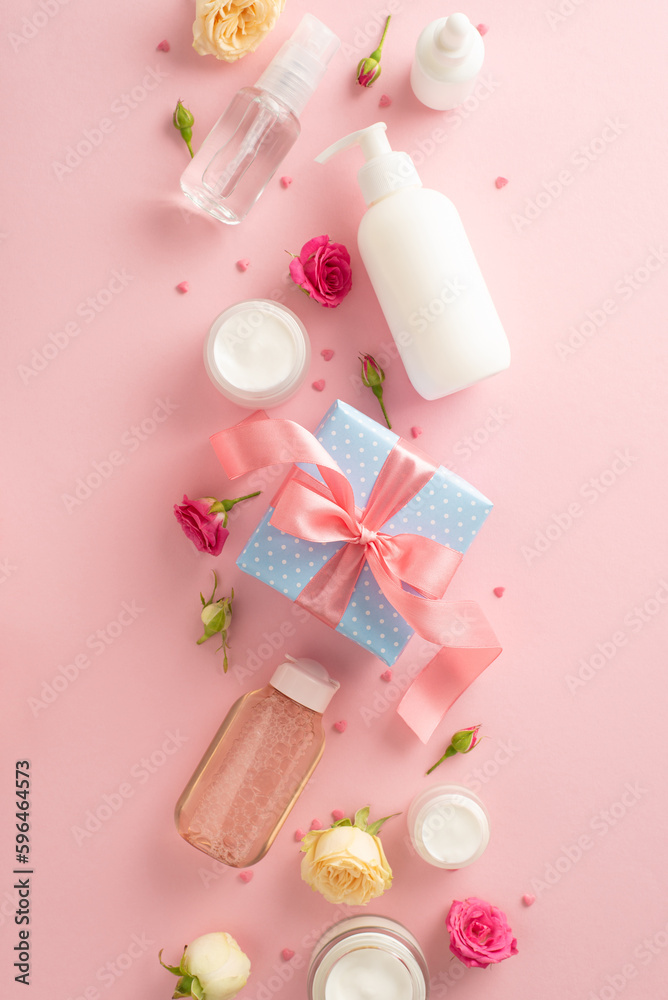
(440, 684)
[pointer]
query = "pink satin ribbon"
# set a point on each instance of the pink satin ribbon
(326, 512)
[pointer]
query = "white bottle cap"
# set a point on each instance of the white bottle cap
(454, 36)
(305, 681)
(385, 171)
(300, 64)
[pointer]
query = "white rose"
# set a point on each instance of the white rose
(228, 29)
(212, 967)
(346, 865)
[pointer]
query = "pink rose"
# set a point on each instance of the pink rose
(322, 269)
(479, 933)
(205, 529)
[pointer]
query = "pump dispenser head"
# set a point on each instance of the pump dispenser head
(299, 65)
(384, 171)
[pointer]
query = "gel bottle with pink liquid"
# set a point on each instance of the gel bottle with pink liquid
(257, 765)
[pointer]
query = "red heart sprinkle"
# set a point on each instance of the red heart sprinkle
(499, 591)
(183, 287)
(482, 28)
(337, 814)
(243, 264)
(286, 181)
(386, 676)
(245, 876)
(416, 431)
(315, 825)
(384, 101)
(327, 354)
(287, 954)
(341, 726)
(319, 385)
(528, 899)
(299, 835)
(500, 182)
(163, 46)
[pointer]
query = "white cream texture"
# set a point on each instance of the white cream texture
(255, 351)
(369, 974)
(453, 829)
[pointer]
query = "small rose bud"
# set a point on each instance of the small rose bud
(212, 967)
(373, 377)
(183, 121)
(462, 741)
(369, 69)
(217, 617)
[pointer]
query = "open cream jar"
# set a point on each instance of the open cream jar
(257, 353)
(449, 826)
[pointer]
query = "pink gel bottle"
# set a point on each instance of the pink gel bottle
(257, 765)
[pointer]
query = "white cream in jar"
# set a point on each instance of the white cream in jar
(257, 353)
(449, 826)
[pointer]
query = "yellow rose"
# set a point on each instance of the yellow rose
(228, 29)
(346, 865)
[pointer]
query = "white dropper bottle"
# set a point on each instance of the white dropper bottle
(424, 273)
(448, 57)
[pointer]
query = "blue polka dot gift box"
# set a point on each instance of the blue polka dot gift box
(446, 509)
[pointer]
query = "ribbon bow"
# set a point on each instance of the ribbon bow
(326, 512)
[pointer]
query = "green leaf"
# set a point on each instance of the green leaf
(375, 827)
(174, 969)
(196, 989)
(343, 822)
(183, 987)
(217, 507)
(361, 818)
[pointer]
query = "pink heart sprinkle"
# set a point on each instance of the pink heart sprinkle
(528, 899)
(245, 876)
(163, 46)
(337, 814)
(384, 101)
(243, 264)
(315, 825)
(299, 835)
(482, 28)
(386, 676)
(327, 354)
(287, 954)
(499, 591)
(500, 182)
(341, 726)
(183, 287)
(416, 431)
(319, 385)
(286, 181)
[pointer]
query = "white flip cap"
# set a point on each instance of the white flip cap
(306, 682)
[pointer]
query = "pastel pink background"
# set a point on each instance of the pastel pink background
(558, 760)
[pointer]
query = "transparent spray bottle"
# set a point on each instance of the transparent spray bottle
(257, 765)
(424, 272)
(242, 151)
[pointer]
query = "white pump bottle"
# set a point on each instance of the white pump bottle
(424, 273)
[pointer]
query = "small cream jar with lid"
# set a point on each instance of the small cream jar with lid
(448, 826)
(257, 353)
(368, 958)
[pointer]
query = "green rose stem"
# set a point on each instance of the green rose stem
(183, 121)
(225, 506)
(369, 69)
(463, 741)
